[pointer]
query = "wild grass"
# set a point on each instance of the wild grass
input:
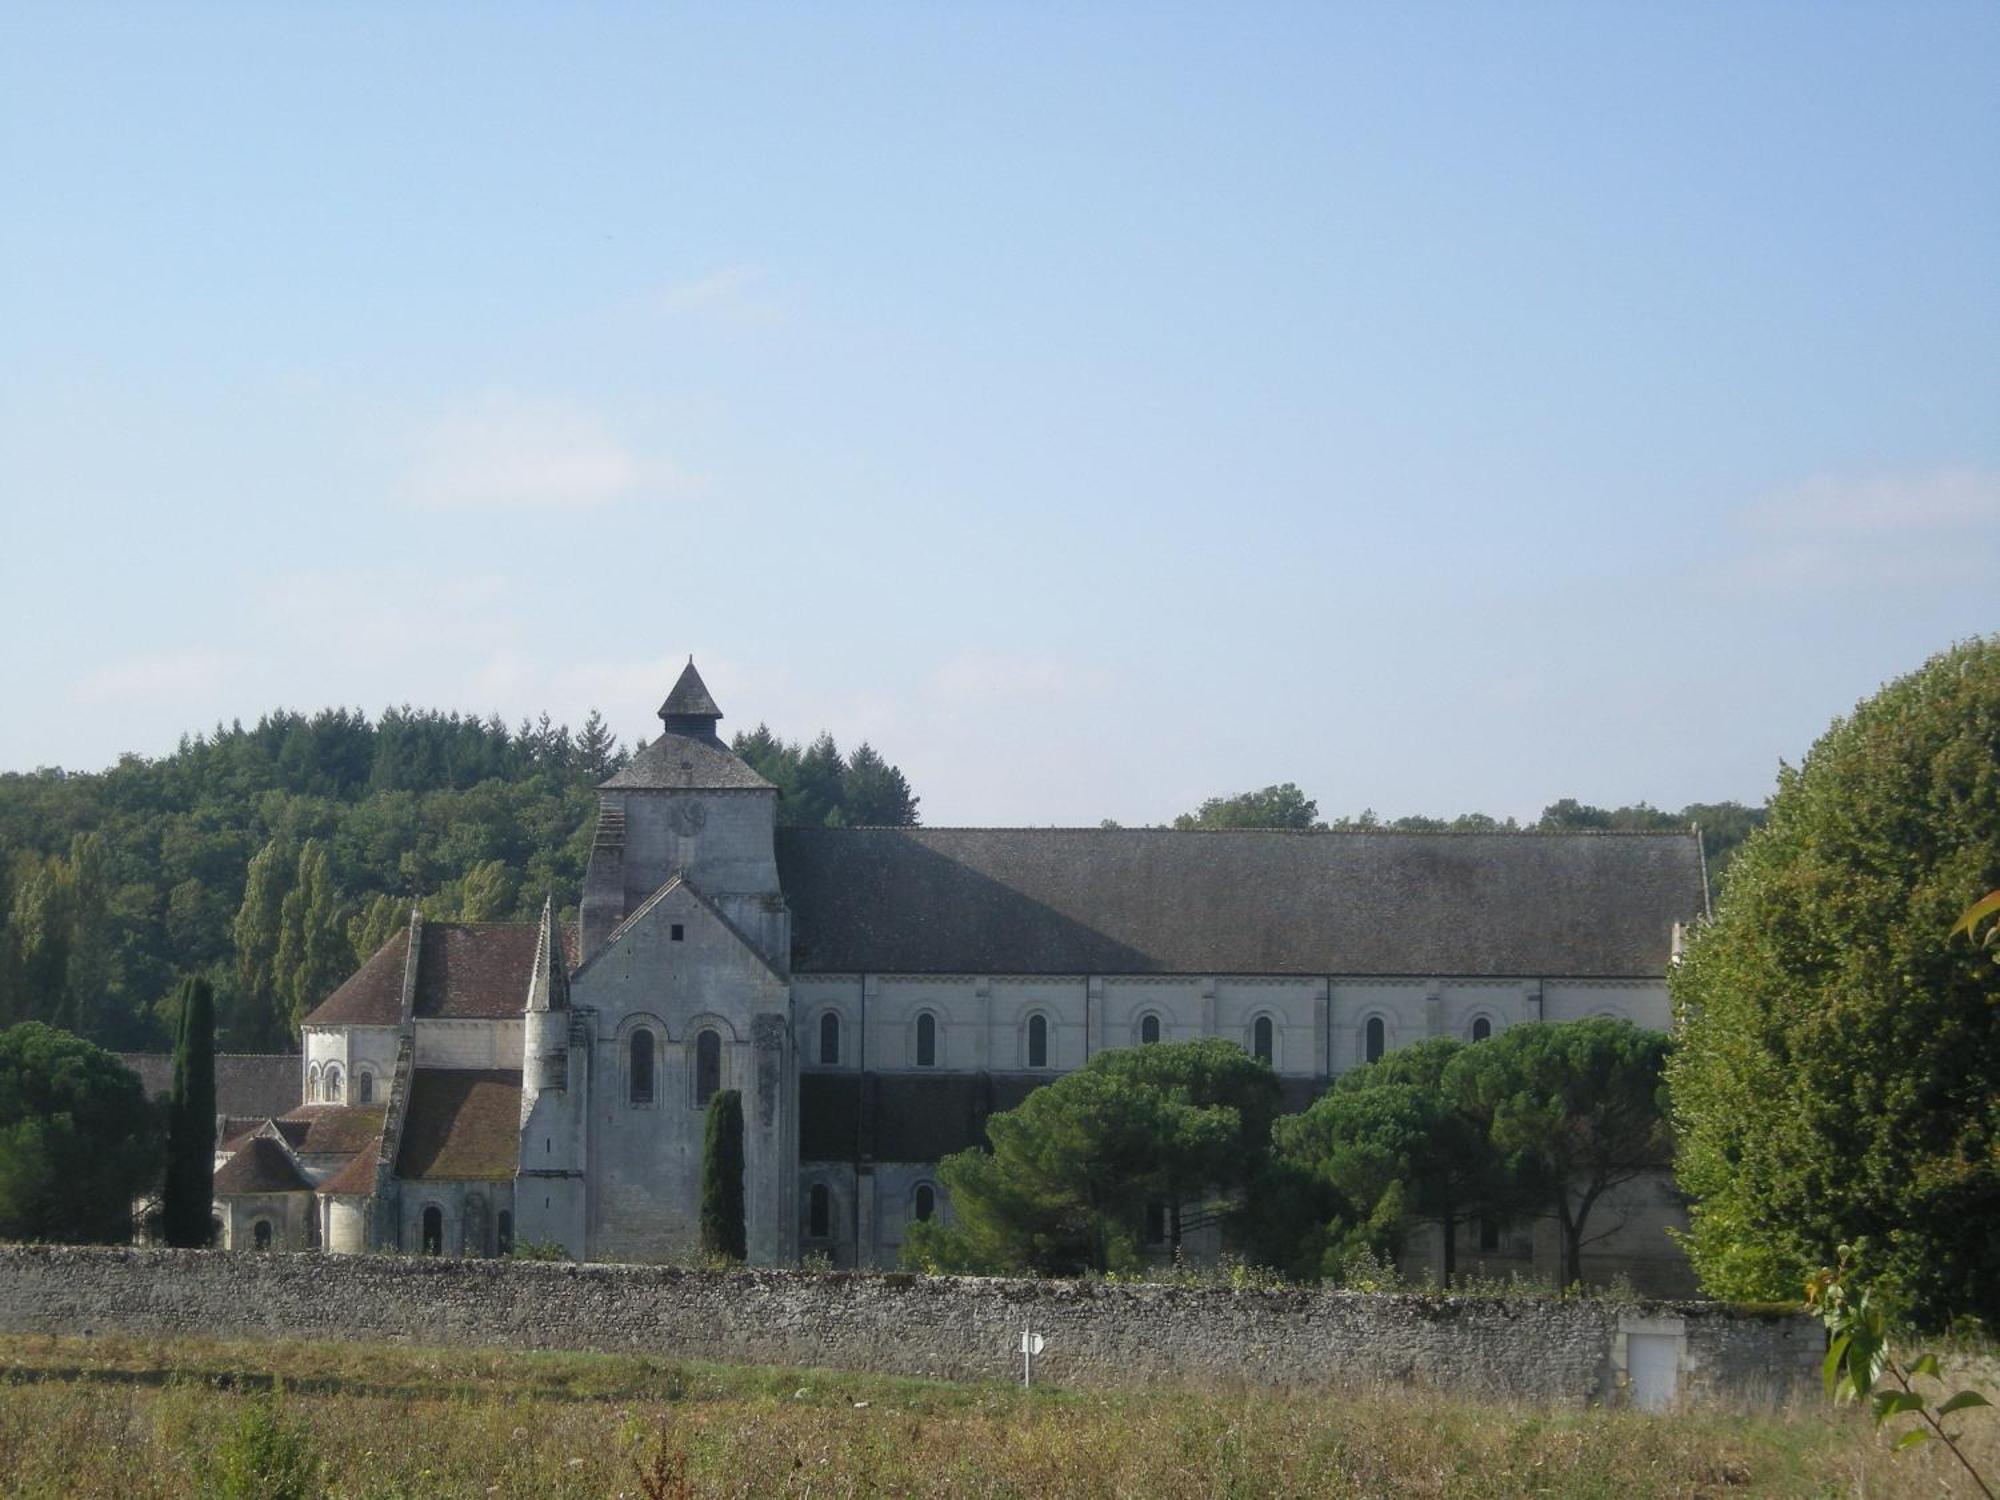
(131, 1418)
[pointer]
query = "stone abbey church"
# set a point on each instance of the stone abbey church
(876, 993)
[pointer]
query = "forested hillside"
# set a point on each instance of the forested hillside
(272, 859)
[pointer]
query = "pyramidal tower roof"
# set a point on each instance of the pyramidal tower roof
(689, 754)
(691, 704)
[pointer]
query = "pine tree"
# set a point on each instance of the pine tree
(815, 799)
(189, 1197)
(722, 1227)
(596, 748)
(875, 793)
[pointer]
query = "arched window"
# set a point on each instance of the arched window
(260, 1234)
(639, 1083)
(312, 1084)
(819, 1212)
(332, 1084)
(829, 1040)
(1149, 1030)
(927, 1040)
(1481, 1029)
(1377, 1040)
(924, 1203)
(364, 1087)
(1263, 1039)
(504, 1226)
(707, 1066)
(433, 1230)
(1038, 1041)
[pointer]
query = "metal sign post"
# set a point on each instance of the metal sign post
(1031, 1345)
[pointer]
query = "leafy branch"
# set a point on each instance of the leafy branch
(1859, 1364)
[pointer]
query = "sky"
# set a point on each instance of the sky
(1096, 407)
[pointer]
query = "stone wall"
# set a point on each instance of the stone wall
(1559, 1352)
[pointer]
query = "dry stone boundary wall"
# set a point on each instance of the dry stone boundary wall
(1537, 1350)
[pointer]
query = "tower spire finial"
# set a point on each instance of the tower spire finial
(689, 709)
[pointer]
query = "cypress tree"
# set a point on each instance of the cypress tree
(722, 1230)
(189, 1196)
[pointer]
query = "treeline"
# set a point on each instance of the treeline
(1724, 825)
(271, 859)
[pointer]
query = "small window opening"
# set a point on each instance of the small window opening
(707, 1067)
(829, 1040)
(1038, 1041)
(260, 1234)
(504, 1229)
(433, 1231)
(1377, 1042)
(312, 1084)
(364, 1088)
(1156, 1223)
(819, 1213)
(1261, 1039)
(1481, 1029)
(332, 1084)
(677, 933)
(926, 1202)
(1149, 1031)
(927, 1040)
(640, 1085)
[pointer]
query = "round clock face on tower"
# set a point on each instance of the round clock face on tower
(686, 818)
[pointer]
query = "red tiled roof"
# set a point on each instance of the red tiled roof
(478, 970)
(261, 1165)
(373, 994)
(357, 1178)
(333, 1129)
(233, 1130)
(462, 1125)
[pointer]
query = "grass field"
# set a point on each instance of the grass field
(135, 1418)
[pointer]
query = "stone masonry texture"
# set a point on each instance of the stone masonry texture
(1540, 1350)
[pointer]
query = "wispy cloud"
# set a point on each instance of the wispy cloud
(162, 677)
(505, 450)
(742, 295)
(1924, 530)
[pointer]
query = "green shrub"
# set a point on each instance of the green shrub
(266, 1455)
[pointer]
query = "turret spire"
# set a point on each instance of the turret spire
(549, 988)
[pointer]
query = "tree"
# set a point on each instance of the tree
(78, 1139)
(313, 954)
(188, 1199)
(874, 793)
(259, 926)
(1072, 1171)
(1836, 1073)
(1400, 1146)
(1578, 1108)
(596, 748)
(722, 1225)
(1281, 806)
(817, 785)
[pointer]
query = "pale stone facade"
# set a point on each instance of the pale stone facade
(875, 993)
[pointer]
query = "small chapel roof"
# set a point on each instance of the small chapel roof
(462, 1125)
(332, 1129)
(357, 1178)
(260, 1165)
(1166, 901)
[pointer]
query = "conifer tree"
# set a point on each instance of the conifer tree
(722, 1227)
(189, 1197)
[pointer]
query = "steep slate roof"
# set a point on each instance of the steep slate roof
(462, 1124)
(373, 994)
(686, 761)
(248, 1085)
(1162, 901)
(333, 1129)
(357, 1178)
(261, 1165)
(690, 698)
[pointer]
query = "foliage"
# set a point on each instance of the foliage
(1980, 922)
(1835, 1077)
(267, 1454)
(1283, 806)
(542, 1250)
(188, 1200)
(78, 1138)
(722, 1223)
(1858, 1357)
(817, 788)
(1072, 1170)
(1576, 1108)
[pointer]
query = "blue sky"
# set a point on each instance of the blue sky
(1097, 407)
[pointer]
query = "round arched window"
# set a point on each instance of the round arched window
(926, 1202)
(1038, 1041)
(1481, 1029)
(1149, 1030)
(707, 1066)
(1263, 1039)
(639, 1080)
(829, 1040)
(927, 1040)
(1376, 1040)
